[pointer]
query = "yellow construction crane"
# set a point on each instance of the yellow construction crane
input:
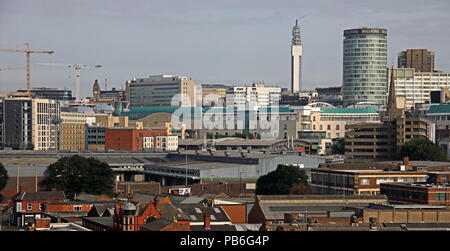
(28, 52)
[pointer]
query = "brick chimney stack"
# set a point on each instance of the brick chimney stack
(21, 189)
(207, 221)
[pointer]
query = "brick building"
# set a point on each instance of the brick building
(27, 206)
(130, 139)
(72, 136)
(364, 180)
(417, 193)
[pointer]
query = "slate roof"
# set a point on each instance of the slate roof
(156, 225)
(104, 221)
(196, 213)
(214, 228)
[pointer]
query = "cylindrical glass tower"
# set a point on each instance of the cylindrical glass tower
(365, 66)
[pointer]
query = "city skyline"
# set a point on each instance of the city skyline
(212, 42)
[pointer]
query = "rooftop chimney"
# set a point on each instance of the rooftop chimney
(373, 224)
(21, 189)
(207, 221)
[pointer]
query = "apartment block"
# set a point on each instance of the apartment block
(31, 123)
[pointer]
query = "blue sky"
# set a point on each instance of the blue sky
(231, 42)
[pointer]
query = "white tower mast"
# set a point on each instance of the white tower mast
(296, 58)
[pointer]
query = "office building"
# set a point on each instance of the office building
(213, 95)
(254, 96)
(31, 123)
(72, 131)
(96, 138)
(50, 93)
(416, 87)
(363, 179)
(383, 140)
(296, 58)
(422, 60)
(365, 59)
(161, 90)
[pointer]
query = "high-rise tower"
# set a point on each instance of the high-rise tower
(365, 72)
(296, 58)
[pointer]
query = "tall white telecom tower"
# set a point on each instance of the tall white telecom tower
(296, 58)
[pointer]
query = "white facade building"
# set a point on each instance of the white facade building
(416, 86)
(252, 97)
(149, 142)
(167, 143)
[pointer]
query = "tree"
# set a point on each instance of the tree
(338, 147)
(284, 180)
(77, 174)
(3, 179)
(420, 148)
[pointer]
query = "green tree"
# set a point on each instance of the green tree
(77, 174)
(3, 179)
(338, 147)
(420, 148)
(284, 180)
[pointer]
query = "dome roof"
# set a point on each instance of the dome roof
(129, 207)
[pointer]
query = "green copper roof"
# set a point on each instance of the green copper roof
(348, 110)
(444, 108)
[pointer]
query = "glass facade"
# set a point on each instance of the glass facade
(365, 66)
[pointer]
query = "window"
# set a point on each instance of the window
(77, 208)
(365, 181)
(328, 127)
(29, 206)
(440, 197)
(337, 127)
(384, 180)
